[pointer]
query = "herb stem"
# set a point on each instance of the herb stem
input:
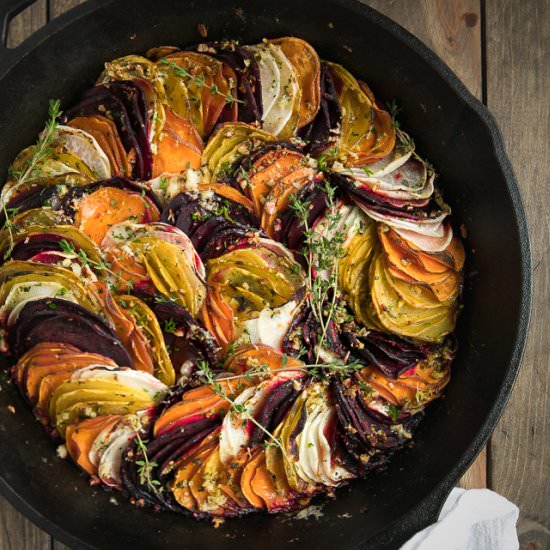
(145, 466)
(343, 367)
(322, 251)
(40, 151)
(69, 248)
(236, 407)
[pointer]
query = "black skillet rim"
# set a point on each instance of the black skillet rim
(429, 507)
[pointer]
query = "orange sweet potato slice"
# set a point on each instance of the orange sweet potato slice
(416, 389)
(417, 267)
(404, 260)
(129, 333)
(268, 171)
(252, 356)
(214, 104)
(277, 200)
(448, 288)
(383, 132)
(398, 274)
(48, 359)
(431, 263)
(248, 474)
(107, 206)
(36, 375)
(456, 251)
(230, 482)
(262, 485)
(230, 113)
(51, 381)
(106, 134)
(40, 355)
(434, 262)
(229, 193)
(307, 66)
(257, 484)
(452, 257)
(179, 147)
(127, 269)
(80, 438)
(200, 402)
(394, 394)
(218, 316)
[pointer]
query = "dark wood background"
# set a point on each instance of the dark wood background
(501, 51)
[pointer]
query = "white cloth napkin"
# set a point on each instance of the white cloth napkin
(475, 519)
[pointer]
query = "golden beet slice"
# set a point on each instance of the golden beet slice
(202, 104)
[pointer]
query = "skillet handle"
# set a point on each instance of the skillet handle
(8, 10)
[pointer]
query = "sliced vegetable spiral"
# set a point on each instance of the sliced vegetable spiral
(229, 282)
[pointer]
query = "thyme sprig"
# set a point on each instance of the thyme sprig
(41, 150)
(323, 249)
(199, 80)
(68, 247)
(145, 466)
(239, 408)
(30, 168)
(394, 111)
(402, 136)
(317, 370)
(10, 226)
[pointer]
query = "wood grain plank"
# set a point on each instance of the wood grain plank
(18, 533)
(57, 7)
(518, 50)
(476, 475)
(452, 30)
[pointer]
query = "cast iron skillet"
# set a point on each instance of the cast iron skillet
(452, 129)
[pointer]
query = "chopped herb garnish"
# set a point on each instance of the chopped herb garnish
(394, 411)
(199, 80)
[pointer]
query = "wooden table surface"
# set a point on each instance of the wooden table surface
(501, 51)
